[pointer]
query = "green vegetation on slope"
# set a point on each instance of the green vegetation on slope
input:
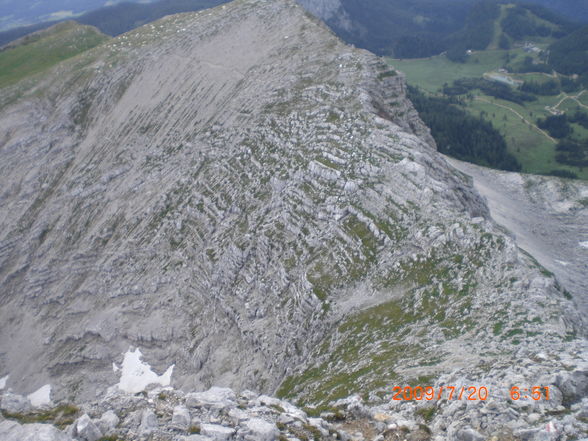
(569, 55)
(37, 52)
(120, 18)
(516, 100)
(422, 28)
(368, 351)
(462, 135)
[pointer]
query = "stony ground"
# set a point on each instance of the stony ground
(547, 216)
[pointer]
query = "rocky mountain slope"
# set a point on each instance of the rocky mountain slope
(547, 216)
(254, 204)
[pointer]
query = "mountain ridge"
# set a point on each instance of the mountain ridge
(241, 195)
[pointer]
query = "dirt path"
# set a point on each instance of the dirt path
(544, 133)
(573, 98)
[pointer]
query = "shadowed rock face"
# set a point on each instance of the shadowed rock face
(230, 191)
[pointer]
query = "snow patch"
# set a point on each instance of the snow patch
(3, 382)
(584, 244)
(41, 397)
(137, 375)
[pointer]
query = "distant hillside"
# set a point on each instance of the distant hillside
(39, 51)
(572, 9)
(422, 28)
(570, 54)
(398, 28)
(526, 93)
(117, 19)
(15, 13)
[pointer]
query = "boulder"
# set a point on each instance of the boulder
(181, 418)
(216, 397)
(573, 385)
(237, 416)
(107, 423)
(12, 431)
(217, 432)
(526, 434)
(469, 434)
(264, 400)
(260, 430)
(12, 403)
(86, 430)
(148, 422)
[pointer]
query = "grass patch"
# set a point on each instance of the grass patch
(194, 429)
(60, 416)
(40, 51)
(426, 413)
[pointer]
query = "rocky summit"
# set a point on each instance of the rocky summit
(234, 198)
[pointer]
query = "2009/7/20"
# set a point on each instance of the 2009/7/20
(429, 393)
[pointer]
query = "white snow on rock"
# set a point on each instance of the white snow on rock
(41, 396)
(3, 381)
(584, 244)
(137, 375)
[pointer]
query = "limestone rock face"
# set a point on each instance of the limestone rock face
(11, 431)
(179, 188)
(256, 205)
(13, 403)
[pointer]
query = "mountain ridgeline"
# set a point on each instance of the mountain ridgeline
(398, 28)
(119, 18)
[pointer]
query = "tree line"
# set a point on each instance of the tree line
(461, 135)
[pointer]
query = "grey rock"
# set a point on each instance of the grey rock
(217, 432)
(261, 430)
(13, 403)
(133, 419)
(181, 418)
(469, 434)
(573, 385)
(86, 430)
(197, 438)
(583, 412)
(285, 419)
(9, 428)
(237, 416)
(527, 434)
(12, 431)
(264, 400)
(217, 397)
(108, 422)
(148, 422)
(544, 435)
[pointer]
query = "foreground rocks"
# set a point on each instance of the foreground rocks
(219, 414)
(166, 414)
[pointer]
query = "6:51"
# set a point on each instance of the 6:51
(517, 393)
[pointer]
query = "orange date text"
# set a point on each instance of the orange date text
(428, 393)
